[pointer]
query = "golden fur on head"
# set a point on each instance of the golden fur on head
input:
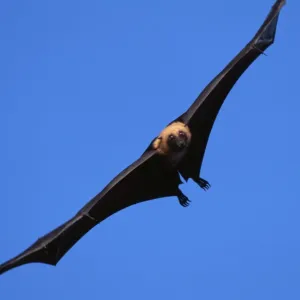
(160, 143)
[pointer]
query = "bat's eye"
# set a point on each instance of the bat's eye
(182, 134)
(171, 137)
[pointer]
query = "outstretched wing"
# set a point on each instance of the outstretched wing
(146, 179)
(201, 115)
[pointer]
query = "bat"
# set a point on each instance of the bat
(178, 150)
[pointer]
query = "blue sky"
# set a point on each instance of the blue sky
(86, 85)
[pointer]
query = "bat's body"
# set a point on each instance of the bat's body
(179, 149)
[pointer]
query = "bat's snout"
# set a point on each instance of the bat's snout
(181, 144)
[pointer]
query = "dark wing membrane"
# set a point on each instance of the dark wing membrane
(146, 179)
(201, 115)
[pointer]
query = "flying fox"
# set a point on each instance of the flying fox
(178, 150)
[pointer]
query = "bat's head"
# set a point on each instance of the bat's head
(173, 139)
(177, 141)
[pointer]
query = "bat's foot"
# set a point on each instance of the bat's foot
(203, 183)
(183, 199)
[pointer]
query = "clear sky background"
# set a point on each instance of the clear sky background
(86, 85)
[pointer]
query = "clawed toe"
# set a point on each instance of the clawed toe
(184, 200)
(205, 185)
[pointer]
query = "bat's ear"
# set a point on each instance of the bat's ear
(157, 142)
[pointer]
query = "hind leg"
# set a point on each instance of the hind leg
(183, 199)
(205, 185)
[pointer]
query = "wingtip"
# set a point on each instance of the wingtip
(6, 267)
(265, 36)
(23, 258)
(284, 2)
(15, 262)
(279, 4)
